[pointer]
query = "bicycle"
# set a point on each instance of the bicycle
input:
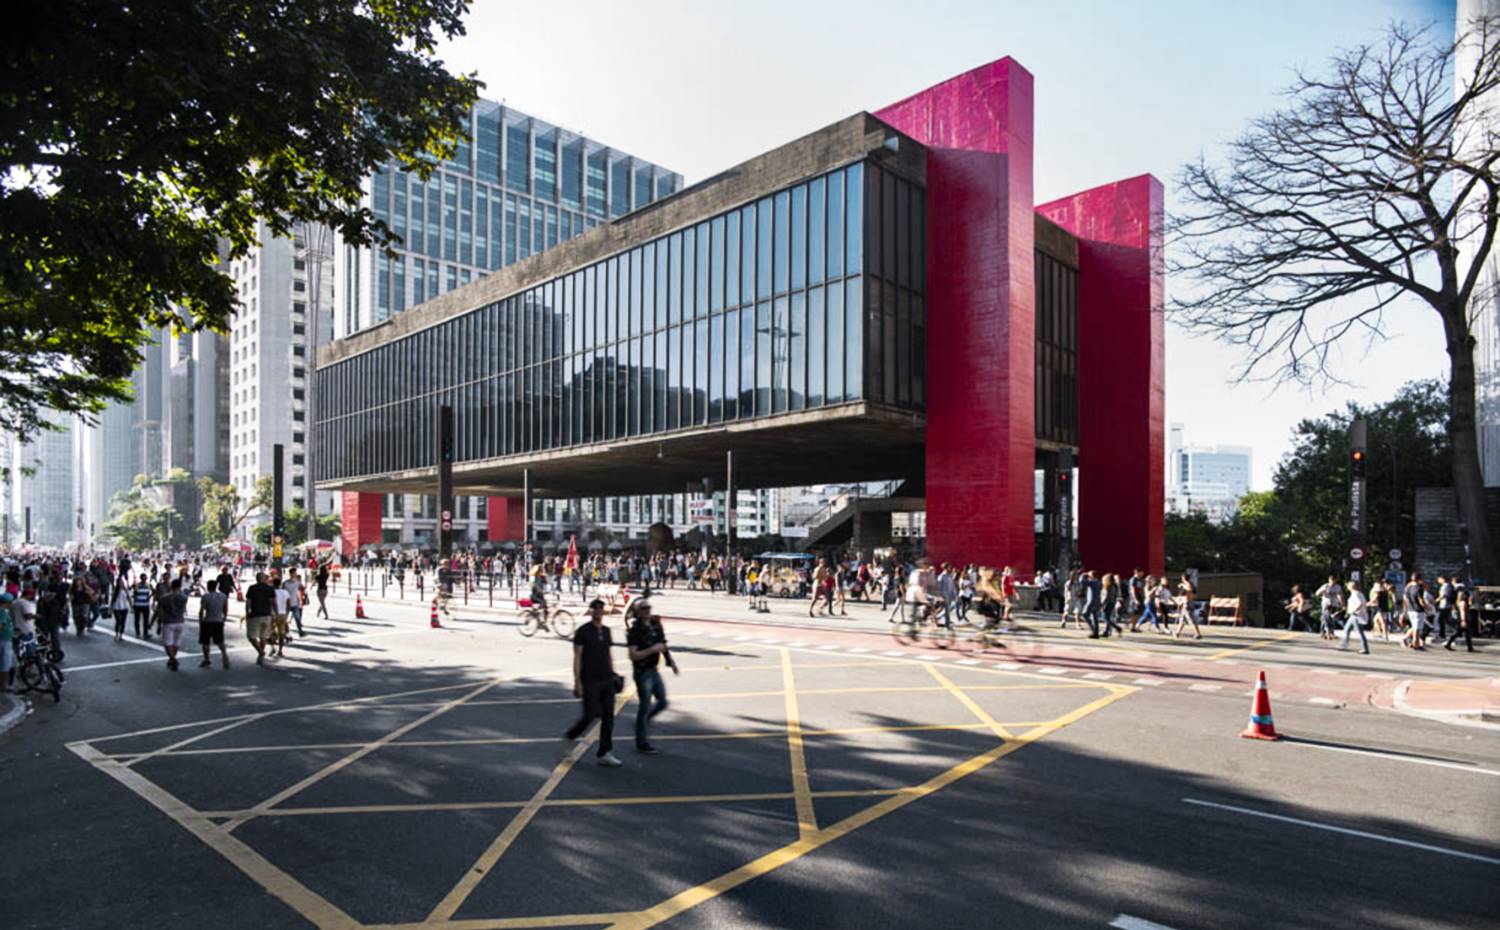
(558, 620)
(38, 670)
(912, 622)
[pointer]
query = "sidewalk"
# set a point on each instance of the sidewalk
(1462, 700)
(12, 711)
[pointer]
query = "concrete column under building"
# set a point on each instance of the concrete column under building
(360, 520)
(506, 519)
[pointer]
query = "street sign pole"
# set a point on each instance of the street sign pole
(731, 577)
(1357, 497)
(278, 514)
(445, 498)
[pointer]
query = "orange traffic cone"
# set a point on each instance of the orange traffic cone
(1261, 725)
(434, 619)
(359, 607)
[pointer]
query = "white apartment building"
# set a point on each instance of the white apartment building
(1205, 479)
(270, 353)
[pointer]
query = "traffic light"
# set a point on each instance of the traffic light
(1357, 463)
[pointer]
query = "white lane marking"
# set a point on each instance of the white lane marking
(1098, 676)
(1379, 675)
(968, 661)
(1051, 670)
(1346, 831)
(893, 652)
(1439, 763)
(796, 645)
(1009, 666)
(1126, 922)
(1327, 702)
(742, 639)
(1153, 682)
(1202, 687)
(769, 642)
(828, 647)
(860, 649)
(930, 658)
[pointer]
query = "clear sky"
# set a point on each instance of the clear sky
(1121, 88)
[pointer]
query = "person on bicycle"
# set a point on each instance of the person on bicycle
(921, 589)
(989, 598)
(539, 589)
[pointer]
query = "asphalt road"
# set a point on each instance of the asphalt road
(387, 774)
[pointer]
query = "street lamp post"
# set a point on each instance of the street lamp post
(315, 243)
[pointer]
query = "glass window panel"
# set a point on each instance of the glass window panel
(481, 227)
(836, 224)
(545, 176)
(919, 352)
(487, 166)
(781, 247)
(648, 390)
(674, 378)
(894, 342)
(658, 313)
(450, 217)
(700, 375)
(619, 188)
(889, 223)
(674, 280)
(701, 307)
(779, 355)
(659, 380)
(648, 287)
(643, 186)
(797, 360)
(854, 224)
(799, 237)
(731, 364)
(518, 157)
(903, 234)
(634, 293)
(816, 328)
(763, 358)
(747, 362)
(716, 267)
(764, 227)
(747, 255)
(466, 223)
(551, 227)
(598, 165)
(836, 342)
(854, 340)
(688, 273)
(417, 241)
(716, 370)
(732, 260)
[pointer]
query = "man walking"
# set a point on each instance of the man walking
(296, 598)
(213, 607)
(171, 614)
(260, 603)
(594, 682)
(1416, 613)
(647, 644)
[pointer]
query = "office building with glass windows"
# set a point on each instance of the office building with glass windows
(878, 299)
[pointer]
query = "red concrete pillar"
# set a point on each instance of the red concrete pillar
(1122, 378)
(360, 520)
(505, 519)
(981, 434)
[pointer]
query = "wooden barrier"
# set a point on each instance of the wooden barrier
(1225, 609)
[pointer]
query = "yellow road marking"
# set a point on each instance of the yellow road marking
(318, 910)
(995, 726)
(175, 747)
(510, 923)
(455, 898)
(564, 802)
(709, 890)
(1226, 653)
(353, 757)
(807, 816)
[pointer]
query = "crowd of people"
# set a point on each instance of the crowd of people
(1416, 611)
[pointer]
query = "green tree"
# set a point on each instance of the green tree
(139, 519)
(143, 144)
(1376, 186)
(329, 528)
(223, 509)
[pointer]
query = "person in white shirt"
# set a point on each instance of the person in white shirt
(1356, 618)
(280, 631)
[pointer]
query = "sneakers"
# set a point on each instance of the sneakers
(609, 760)
(205, 663)
(225, 660)
(646, 749)
(172, 664)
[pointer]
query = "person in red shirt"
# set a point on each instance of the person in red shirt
(1008, 589)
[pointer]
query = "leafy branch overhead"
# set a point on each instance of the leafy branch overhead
(144, 144)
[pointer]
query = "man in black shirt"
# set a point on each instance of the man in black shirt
(647, 644)
(594, 681)
(260, 604)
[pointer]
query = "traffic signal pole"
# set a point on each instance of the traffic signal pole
(445, 499)
(1358, 500)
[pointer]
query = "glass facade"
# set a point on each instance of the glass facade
(1056, 350)
(515, 186)
(757, 311)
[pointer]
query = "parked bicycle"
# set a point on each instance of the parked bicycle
(534, 618)
(39, 670)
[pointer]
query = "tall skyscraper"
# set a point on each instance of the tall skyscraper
(47, 483)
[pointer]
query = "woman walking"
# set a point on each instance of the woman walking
(1186, 593)
(320, 584)
(1380, 602)
(119, 605)
(1109, 590)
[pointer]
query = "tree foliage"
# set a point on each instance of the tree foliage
(1296, 532)
(139, 518)
(329, 527)
(145, 143)
(223, 510)
(1375, 186)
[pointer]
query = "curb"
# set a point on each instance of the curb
(12, 711)
(1476, 717)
